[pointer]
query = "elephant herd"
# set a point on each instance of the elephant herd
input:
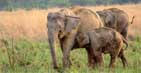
(99, 32)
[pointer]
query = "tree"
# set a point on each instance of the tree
(58, 3)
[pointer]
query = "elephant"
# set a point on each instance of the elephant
(64, 28)
(65, 25)
(104, 40)
(116, 19)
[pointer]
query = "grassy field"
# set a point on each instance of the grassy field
(27, 55)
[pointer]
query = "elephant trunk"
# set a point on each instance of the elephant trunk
(52, 42)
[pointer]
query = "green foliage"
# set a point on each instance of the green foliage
(14, 4)
(106, 2)
(35, 57)
(58, 3)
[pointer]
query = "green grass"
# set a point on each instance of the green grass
(35, 57)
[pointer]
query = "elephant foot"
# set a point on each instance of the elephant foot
(90, 65)
(56, 67)
(91, 61)
(112, 62)
(66, 64)
(98, 60)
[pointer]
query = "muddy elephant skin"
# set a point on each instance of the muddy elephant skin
(104, 40)
(116, 19)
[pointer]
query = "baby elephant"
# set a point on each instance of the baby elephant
(104, 40)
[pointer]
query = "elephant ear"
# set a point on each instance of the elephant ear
(110, 19)
(82, 39)
(101, 13)
(71, 23)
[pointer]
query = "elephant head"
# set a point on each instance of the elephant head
(108, 18)
(59, 25)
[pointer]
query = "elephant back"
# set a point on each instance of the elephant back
(67, 11)
(122, 18)
(88, 19)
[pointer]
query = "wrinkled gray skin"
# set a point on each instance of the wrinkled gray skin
(116, 19)
(66, 30)
(104, 40)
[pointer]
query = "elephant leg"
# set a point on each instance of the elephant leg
(113, 60)
(67, 45)
(122, 57)
(66, 54)
(99, 59)
(94, 58)
(90, 57)
(62, 49)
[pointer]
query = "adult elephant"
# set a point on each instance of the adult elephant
(116, 19)
(66, 28)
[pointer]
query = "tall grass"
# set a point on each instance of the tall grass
(32, 23)
(35, 57)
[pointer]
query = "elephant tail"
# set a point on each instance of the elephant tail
(125, 42)
(132, 21)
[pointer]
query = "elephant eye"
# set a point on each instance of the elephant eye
(54, 18)
(49, 18)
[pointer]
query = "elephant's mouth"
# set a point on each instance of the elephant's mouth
(61, 34)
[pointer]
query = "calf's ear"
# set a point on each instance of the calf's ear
(86, 40)
(82, 39)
